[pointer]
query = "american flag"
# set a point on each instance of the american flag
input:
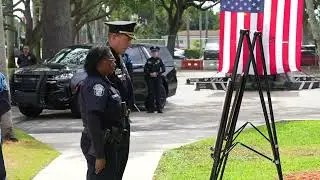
(280, 22)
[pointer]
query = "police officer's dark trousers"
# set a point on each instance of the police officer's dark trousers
(112, 162)
(123, 152)
(154, 87)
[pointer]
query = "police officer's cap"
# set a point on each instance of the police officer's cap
(124, 27)
(154, 49)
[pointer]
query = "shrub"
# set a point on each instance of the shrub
(192, 53)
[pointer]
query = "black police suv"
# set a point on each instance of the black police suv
(54, 84)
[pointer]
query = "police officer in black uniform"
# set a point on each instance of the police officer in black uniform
(102, 115)
(119, 39)
(153, 70)
(26, 58)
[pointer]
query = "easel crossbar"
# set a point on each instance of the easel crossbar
(238, 132)
(250, 148)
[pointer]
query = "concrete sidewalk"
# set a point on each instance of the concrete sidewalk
(142, 163)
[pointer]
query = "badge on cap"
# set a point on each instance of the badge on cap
(98, 90)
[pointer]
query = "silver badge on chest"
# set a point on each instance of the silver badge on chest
(98, 90)
(119, 73)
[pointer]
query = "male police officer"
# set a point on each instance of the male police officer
(153, 69)
(26, 58)
(119, 39)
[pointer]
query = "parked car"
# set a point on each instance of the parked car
(309, 56)
(55, 83)
(179, 54)
(211, 56)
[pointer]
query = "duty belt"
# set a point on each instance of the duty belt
(114, 135)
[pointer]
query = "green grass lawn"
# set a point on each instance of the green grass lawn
(299, 152)
(24, 159)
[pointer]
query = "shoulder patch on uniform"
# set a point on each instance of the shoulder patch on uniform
(98, 90)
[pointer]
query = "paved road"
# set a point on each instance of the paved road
(189, 116)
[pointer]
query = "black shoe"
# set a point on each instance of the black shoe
(160, 111)
(150, 111)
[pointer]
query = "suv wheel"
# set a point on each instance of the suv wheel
(75, 108)
(30, 111)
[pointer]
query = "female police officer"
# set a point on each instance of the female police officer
(100, 106)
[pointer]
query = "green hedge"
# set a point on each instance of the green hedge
(192, 53)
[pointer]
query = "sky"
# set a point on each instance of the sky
(21, 6)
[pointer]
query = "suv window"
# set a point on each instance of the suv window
(75, 56)
(136, 55)
(164, 55)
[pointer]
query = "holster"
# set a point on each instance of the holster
(115, 134)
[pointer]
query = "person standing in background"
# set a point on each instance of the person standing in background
(153, 70)
(26, 58)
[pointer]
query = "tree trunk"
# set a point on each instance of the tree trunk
(29, 24)
(200, 28)
(74, 32)
(89, 33)
(10, 37)
(57, 30)
(36, 18)
(78, 38)
(3, 60)
(188, 31)
(207, 26)
(173, 30)
(175, 23)
(314, 25)
(99, 31)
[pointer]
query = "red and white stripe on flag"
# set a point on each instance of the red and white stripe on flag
(280, 22)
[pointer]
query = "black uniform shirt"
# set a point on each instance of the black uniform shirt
(28, 60)
(122, 81)
(100, 106)
(154, 64)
